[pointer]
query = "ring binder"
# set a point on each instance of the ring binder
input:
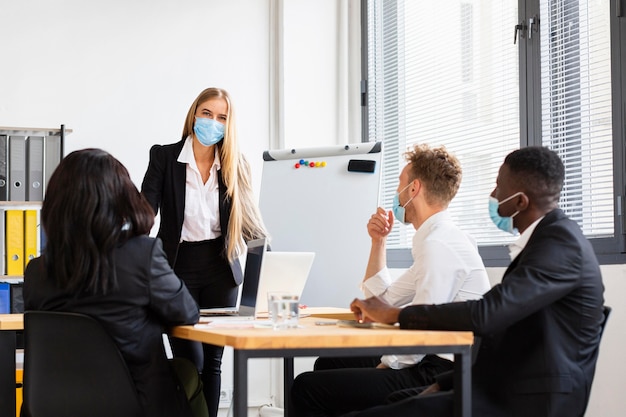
(34, 174)
(28, 157)
(17, 168)
(4, 189)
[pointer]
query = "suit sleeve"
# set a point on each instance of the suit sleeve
(152, 185)
(169, 297)
(545, 271)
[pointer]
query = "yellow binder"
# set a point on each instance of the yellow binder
(15, 242)
(30, 236)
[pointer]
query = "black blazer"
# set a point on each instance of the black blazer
(540, 327)
(164, 187)
(149, 298)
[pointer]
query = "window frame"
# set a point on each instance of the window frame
(609, 250)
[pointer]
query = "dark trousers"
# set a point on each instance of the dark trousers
(334, 392)
(440, 404)
(210, 281)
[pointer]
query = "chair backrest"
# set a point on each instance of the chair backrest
(72, 367)
(607, 313)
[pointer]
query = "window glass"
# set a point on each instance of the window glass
(576, 107)
(445, 73)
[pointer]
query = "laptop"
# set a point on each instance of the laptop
(246, 305)
(283, 271)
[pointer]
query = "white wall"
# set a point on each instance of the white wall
(606, 398)
(121, 74)
(322, 72)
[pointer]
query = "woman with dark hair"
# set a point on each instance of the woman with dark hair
(202, 188)
(99, 261)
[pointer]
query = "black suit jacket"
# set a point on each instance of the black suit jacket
(149, 298)
(540, 327)
(164, 187)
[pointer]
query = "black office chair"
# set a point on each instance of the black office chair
(607, 313)
(72, 368)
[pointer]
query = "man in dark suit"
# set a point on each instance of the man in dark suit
(540, 327)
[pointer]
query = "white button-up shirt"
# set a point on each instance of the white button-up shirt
(202, 214)
(516, 247)
(446, 267)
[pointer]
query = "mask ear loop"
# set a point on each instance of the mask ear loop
(412, 197)
(510, 197)
(401, 191)
(407, 203)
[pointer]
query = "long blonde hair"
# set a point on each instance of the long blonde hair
(245, 219)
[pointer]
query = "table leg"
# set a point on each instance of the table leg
(240, 382)
(288, 382)
(7, 372)
(463, 384)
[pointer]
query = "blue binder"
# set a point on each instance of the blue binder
(5, 298)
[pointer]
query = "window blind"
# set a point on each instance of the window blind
(576, 107)
(445, 73)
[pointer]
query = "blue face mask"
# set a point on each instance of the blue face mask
(208, 131)
(398, 210)
(503, 223)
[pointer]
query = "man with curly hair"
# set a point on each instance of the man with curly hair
(446, 268)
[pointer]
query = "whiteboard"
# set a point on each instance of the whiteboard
(323, 209)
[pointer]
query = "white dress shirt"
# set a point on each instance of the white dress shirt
(202, 214)
(446, 267)
(516, 247)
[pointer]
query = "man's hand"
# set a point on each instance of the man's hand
(374, 309)
(430, 389)
(380, 224)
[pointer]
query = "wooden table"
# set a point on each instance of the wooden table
(9, 325)
(328, 313)
(312, 340)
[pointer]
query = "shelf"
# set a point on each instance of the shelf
(32, 131)
(20, 205)
(13, 279)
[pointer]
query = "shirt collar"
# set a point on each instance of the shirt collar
(186, 155)
(516, 247)
(424, 228)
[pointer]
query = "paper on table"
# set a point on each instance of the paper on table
(229, 325)
(232, 324)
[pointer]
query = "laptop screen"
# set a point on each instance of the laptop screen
(283, 271)
(256, 249)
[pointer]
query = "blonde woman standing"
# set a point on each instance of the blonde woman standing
(202, 187)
